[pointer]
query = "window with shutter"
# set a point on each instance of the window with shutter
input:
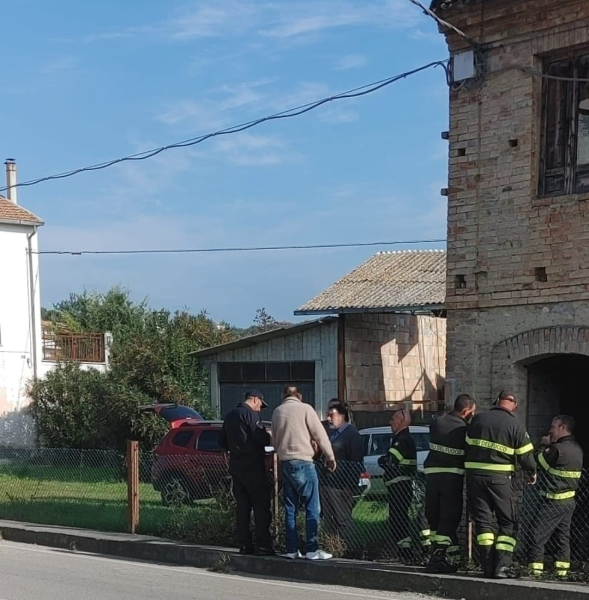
(564, 165)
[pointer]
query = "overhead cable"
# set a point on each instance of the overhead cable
(286, 114)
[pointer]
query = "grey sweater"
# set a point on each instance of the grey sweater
(294, 426)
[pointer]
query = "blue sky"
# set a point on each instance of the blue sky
(90, 81)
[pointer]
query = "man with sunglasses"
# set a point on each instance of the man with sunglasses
(495, 443)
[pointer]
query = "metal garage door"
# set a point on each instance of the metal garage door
(270, 378)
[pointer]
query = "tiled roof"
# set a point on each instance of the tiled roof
(13, 212)
(402, 280)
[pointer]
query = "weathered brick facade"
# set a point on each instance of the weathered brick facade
(501, 232)
(394, 358)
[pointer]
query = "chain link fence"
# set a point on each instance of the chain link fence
(190, 497)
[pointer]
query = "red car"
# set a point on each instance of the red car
(189, 463)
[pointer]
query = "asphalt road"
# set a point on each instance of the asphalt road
(33, 572)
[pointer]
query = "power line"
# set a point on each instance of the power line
(240, 249)
(286, 114)
(446, 24)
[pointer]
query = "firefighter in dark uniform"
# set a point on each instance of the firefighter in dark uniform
(444, 473)
(496, 441)
(561, 463)
(400, 468)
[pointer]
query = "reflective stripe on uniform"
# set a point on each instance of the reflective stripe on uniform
(446, 450)
(505, 543)
(443, 540)
(558, 472)
(490, 467)
(559, 564)
(436, 470)
(558, 495)
(536, 569)
(525, 449)
(490, 446)
(486, 539)
(404, 543)
(396, 454)
(425, 537)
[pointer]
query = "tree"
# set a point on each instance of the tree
(150, 362)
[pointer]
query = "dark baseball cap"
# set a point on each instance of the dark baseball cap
(505, 395)
(256, 394)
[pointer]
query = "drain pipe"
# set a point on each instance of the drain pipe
(32, 302)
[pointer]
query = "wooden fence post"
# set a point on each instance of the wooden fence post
(133, 485)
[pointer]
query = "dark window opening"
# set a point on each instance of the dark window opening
(565, 127)
(182, 439)
(461, 152)
(209, 440)
(541, 274)
(259, 372)
(460, 281)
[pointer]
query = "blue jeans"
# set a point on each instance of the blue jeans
(299, 482)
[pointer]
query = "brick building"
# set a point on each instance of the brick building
(518, 210)
(381, 340)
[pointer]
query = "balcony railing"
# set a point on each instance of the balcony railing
(76, 347)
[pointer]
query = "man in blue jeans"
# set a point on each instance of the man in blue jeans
(295, 429)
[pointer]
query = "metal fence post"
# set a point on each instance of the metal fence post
(276, 499)
(133, 485)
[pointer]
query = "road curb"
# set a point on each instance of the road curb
(337, 572)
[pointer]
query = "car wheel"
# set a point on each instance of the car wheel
(175, 491)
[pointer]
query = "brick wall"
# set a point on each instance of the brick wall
(394, 358)
(499, 230)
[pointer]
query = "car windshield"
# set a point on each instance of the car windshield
(379, 443)
(173, 413)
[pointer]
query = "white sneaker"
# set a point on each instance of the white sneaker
(294, 555)
(318, 555)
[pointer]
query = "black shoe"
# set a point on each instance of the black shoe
(441, 567)
(247, 550)
(261, 551)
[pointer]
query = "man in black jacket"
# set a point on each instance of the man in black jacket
(561, 462)
(338, 487)
(245, 437)
(444, 473)
(496, 441)
(400, 476)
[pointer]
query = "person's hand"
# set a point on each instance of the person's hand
(545, 440)
(533, 479)
(330, 464)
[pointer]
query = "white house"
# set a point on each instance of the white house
(20, 306)
(27, 351)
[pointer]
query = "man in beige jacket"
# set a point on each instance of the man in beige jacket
(295, 429)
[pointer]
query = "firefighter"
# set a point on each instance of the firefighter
(444, 473)
(400, 467)
(496, 441)
(561, 463)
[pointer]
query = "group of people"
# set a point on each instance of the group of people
(321, 462)
(309, 451)
(487, 448)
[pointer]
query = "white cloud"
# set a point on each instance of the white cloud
(283, 20)
(252, 150)
(59, 65)
(351, 61)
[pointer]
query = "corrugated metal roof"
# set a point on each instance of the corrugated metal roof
(9, 211)
(405, 280)
(252, 340)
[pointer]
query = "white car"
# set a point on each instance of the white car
(377, 441)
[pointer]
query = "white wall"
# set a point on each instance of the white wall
(17, 347)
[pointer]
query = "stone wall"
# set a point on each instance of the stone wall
(394, 358)
(499, 229)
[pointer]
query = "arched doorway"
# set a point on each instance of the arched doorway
(557, 384)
